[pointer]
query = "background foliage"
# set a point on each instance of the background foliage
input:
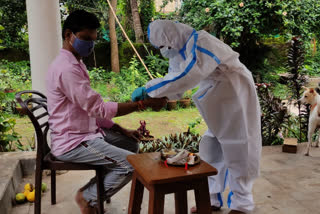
(13, 18)
(244, 24)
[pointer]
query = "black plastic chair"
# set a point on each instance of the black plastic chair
(45, 160)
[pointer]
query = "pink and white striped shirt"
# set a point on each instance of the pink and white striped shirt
(76, 112)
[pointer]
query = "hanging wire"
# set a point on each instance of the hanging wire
(125, 34)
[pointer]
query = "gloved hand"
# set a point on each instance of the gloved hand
(139, 94)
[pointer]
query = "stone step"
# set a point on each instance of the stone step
(13, 167)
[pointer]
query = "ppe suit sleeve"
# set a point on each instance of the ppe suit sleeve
(195, 68)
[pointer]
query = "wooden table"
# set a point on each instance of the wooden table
(151, 173)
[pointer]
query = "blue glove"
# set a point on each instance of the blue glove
(139, 94)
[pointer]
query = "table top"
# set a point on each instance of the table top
(150, 167)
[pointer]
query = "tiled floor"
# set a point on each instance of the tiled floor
(289, 184)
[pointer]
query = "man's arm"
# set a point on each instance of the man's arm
(155, 103)
(79, 92)
(129, 133)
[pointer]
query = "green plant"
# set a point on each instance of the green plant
(98, 75)
(13, 17)
(29, 146)
(1, 41)
(15, 75)
(158, 66)
(292, 128)
(192, 126)
(121, 85)
(296, 79)
(274, 115)
(187, 94)
(185, 140)
(312, 61)
(7, 133)
(301, 18)
(147, 11)
(244, 24)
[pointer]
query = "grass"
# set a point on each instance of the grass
(158, 123)
(25, 128)
(164, 122)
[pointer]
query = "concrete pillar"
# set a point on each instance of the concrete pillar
(45, 40)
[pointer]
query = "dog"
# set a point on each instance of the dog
(311, 96)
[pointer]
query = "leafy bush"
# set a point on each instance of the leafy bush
(98, 75)
(185, 140)
(13, 17)
(274, 115)
(15, 75)
(244, 24)
(7, 133)
(193, 124)
(157, 65)
(121, 85)
(147, 11)
(312, 61)
(118, 87)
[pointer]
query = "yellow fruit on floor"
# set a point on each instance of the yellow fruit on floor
(31, 196)
(29, 187)
(26, 192)
(20, 198)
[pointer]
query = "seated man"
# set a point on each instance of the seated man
(80, 121)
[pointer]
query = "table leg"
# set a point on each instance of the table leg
(202, 197)
(156, 201)
(181, 202)
(136, 195)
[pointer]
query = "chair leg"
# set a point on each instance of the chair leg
(108, 200)
(100, 191)
(53, 187)
(38, 178)
(203, 197)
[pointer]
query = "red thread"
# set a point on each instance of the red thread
(165, 163)
(186, 166)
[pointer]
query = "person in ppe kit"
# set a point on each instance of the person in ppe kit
(226, 99)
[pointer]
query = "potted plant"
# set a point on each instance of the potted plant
(144, 132)
(171, 105)
(186, 99)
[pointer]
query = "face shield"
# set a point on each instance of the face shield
(169, 52)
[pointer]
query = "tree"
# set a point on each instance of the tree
(136, 21)
(244, 24)
(13, 17)
(113, 39)
(147, 12)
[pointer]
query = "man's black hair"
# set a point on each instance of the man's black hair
(80, 20)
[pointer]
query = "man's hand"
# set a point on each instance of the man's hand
(134, 134)
(129, 133)
(156, 103)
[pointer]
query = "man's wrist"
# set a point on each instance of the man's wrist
(117, 128)
(141, 105)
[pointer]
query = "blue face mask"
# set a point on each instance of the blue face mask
(82, 47)
(168, 53)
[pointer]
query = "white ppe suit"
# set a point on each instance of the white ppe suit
(226, 99)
